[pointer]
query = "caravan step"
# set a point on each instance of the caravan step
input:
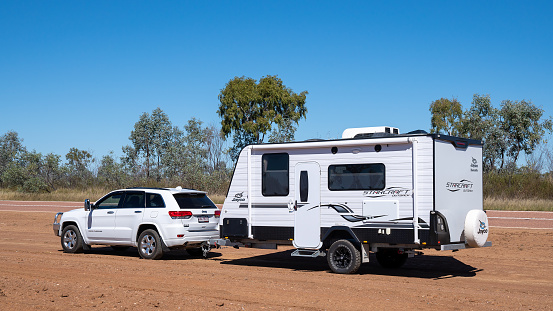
(308, 253)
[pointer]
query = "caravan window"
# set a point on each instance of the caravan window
(275, 174)
(356, 177)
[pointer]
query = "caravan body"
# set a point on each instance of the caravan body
(380, 192)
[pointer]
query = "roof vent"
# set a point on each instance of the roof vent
(370, 131)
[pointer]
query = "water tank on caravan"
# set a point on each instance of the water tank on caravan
(369, 131)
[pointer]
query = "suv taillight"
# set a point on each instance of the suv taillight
(217, 214)
(180, 214)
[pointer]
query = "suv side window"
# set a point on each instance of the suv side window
(154, 200)
(111, 201)
(134, 199)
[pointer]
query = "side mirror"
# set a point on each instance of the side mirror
(87, 206)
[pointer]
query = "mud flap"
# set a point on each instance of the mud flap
(365, 248)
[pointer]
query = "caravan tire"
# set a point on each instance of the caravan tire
(343, 257)
(391, 258)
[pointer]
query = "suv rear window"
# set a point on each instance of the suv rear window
(193, 200)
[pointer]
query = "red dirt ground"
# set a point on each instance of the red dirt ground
(515, 274)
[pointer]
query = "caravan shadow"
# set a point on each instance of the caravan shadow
(133, 252)
(428, 267)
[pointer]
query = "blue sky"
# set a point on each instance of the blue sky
(80, 73)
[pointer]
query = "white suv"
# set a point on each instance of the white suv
(151, 219)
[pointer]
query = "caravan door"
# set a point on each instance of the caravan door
(307, 225)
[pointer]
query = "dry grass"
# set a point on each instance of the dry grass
(93, 194)
(518, 204)
(73, 195)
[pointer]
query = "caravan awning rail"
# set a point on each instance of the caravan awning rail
(337, 143)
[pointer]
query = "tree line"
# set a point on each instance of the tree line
(515, 128)
(199, 156)
(161, 154)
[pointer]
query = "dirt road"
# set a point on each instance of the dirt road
(516, 273)
(504, 219)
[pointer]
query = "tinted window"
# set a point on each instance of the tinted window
(304, 186)
(154, 200)
(111, 201)
(193, 200)
(275, 174)
(134, 199)
(356, 177)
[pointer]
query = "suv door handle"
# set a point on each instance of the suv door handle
(111, 212)
(138, 212)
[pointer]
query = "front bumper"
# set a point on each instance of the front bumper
(56, 225)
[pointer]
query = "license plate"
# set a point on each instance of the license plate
(203, 219)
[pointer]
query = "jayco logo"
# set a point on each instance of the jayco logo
(483, 228)
(474, 165)
(464, 184)
(239, 197)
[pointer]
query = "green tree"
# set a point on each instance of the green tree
(151, 138)
(521, 120)
(26, 173)
(111, 172)
(78, 165)
(446, 116)
(11, 147)
(249, 110)
(482, 121)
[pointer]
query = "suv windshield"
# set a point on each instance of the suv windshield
(193, 200)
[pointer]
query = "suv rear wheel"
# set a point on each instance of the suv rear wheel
(149, 245)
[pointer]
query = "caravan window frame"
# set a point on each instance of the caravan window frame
(266, 173)
(362, 187)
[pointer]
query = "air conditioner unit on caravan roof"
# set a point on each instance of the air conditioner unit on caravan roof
(353, 132)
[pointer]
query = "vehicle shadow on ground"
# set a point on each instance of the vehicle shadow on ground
(423, 266)
(133, 252)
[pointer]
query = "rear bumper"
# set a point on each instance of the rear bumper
(452, 247)
(192, 238)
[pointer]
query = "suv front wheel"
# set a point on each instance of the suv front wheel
(71, 239)
(149, 245)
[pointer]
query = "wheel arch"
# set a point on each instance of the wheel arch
(69, 223)
(340, 233)
(146, 226)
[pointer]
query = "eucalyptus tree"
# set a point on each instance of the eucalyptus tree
(151, 138)
(446, 116)
(11, 147)
(523, 123)
(250, 110)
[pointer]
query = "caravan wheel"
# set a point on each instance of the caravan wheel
(343, 257)
(391, 258)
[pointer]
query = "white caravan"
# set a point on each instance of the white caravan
(374, 190)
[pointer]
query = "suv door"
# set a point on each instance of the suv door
(129, 216)
(101, 220)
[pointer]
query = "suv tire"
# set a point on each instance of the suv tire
(71, 239)
(149, 245)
